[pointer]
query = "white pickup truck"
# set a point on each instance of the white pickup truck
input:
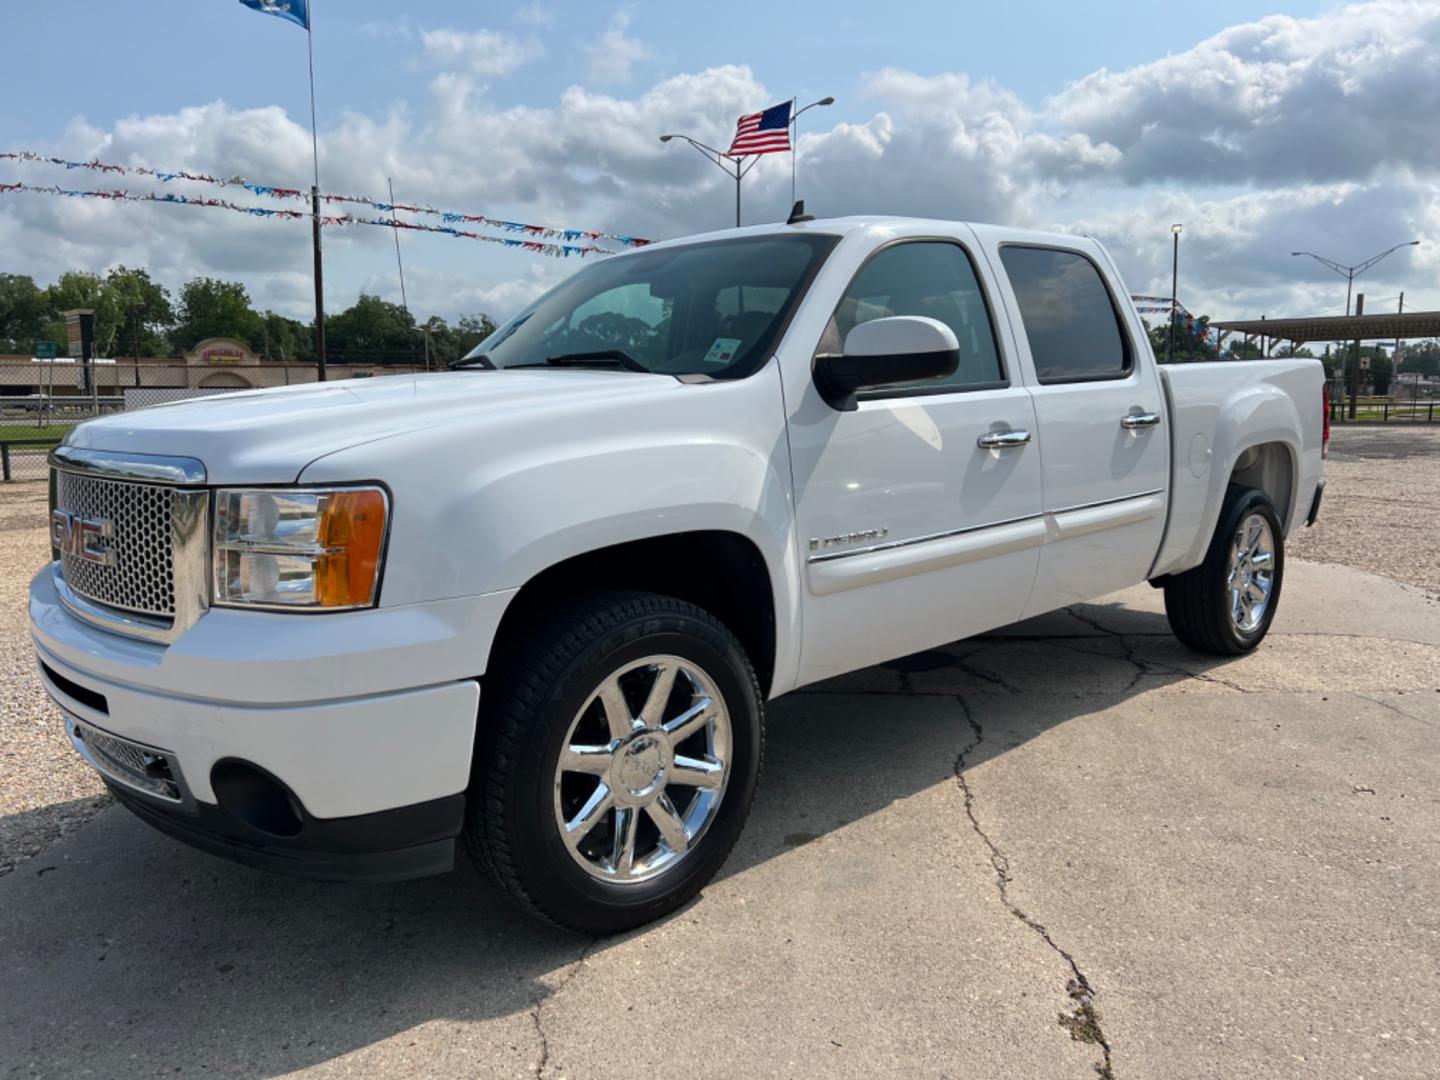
(539, 602)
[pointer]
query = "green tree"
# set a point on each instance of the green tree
(133, 316)
(1381, 371)
(1189, 346)
(372, 331)
(473, 329)
(25, 314)
(210, 308)
(1421, 358)
(287, 341)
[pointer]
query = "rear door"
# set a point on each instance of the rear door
(1100, 415)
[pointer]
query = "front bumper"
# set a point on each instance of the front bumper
(392, 845)
(373, 777)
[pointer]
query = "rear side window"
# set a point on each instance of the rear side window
(1069, 317)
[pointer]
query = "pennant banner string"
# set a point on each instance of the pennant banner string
(539, 247)
(548, 232)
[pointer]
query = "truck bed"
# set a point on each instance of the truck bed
(1218, 412)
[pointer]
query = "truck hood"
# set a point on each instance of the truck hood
(269, 436)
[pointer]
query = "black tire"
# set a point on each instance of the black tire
(527, 708)
(1197, 602)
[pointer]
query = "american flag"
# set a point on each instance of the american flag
(765, 132)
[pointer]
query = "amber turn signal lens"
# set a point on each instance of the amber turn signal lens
(352, 532)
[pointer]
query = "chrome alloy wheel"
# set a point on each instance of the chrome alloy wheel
(1251, 572)
(643, 769)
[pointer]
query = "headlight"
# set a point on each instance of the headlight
(303, 548)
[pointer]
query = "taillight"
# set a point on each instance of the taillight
(1325, 436)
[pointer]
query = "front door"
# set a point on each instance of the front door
(1101, 416)
(912, 533)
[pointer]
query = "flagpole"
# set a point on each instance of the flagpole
(315, 202)
(794, 142)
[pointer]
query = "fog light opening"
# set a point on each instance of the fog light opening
(258, 799)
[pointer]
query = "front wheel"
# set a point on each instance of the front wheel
(1226, 604)
(622, 746)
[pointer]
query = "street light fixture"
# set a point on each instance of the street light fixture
(1350, 273)
(733, 167)
(795, 137)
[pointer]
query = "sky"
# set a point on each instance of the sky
(1262, 128)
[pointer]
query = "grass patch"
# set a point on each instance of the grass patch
(21, 429)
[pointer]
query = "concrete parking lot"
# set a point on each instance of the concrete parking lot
(1068, 847)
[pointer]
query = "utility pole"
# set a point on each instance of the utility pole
(1355, 367)
(136, 311)
(1399, 349)
(1174, 294)
(319, 287)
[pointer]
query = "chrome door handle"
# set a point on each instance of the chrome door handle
(1139, 420)
(1000, 440)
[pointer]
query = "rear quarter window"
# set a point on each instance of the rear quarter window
(1069, 316)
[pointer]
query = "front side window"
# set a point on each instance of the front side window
(715, 308)
(1070, 320)
(933, 278)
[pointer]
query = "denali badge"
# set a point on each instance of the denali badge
(820, 543)
(83, 538)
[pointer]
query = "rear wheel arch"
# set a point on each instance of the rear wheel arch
(1269, 467)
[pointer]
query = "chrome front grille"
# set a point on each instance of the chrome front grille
(131, 540)
(142, 576)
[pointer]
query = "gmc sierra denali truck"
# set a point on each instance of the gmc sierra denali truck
(537, 604)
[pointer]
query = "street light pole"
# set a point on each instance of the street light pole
(1174, 293)
(795, 136)
(1350, 273)
(733, 167)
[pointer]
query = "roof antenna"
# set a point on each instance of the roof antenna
(797, 213)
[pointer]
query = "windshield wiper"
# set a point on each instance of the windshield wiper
(594, 358)
(483, 359)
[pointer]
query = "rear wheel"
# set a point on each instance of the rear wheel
(622, 746)
(1227, 603)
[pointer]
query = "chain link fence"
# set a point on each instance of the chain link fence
(42, 401)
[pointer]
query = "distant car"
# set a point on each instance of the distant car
(540, 602)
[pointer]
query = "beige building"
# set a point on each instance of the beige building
(213, 366)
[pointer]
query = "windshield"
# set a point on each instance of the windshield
(715, 309)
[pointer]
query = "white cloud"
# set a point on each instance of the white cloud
(1228, 137)
(486, 53)
(614, 54)
(402, 28)
(534, 14)
(1342, 95)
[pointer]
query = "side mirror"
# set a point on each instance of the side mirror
(895, 349)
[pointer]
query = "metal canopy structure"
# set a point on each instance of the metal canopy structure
(1410, 324)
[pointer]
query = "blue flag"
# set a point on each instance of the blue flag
(297, 11)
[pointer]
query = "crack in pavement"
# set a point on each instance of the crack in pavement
(1145, 667)
(1083, 1023)
(1393, 708)
(540, 1000)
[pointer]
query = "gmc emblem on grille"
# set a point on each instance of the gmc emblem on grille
(83, 538)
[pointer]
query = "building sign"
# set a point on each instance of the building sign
(221, 351)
